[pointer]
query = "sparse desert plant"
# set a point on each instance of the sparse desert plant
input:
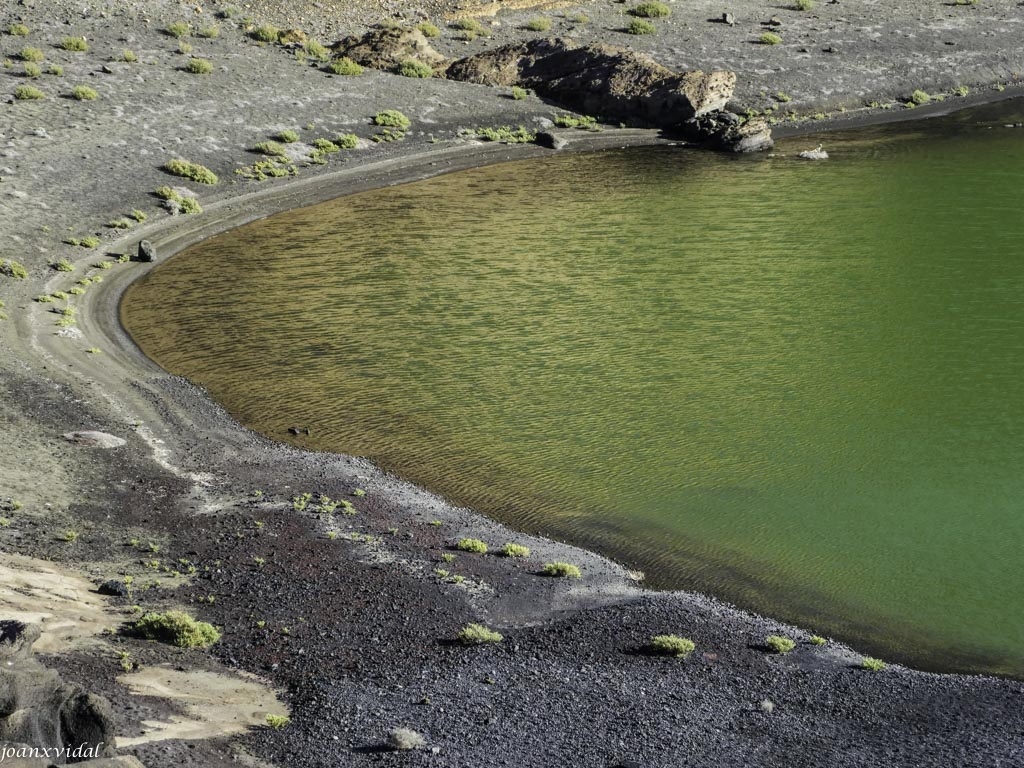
(872, 664)
(428, 29)
(178, 29)
(817, 640)
(29, 53)
(56, 70)
(77, 44)
(650, 10)
(672, 645)
(783, 97)
(70, 536)
(769, 38)
(506, 134)
(641, 27)
(803, 5)
(184, 47)
(18, 30)
(317, 50)
(278, 721)
(472, 545)
(63, 265)
(920, 97)
(199, 66)
(120, 224)
(189, 170)
(405, 739)
(471, 26)
(267, 33)
(270, 148)
(209, 32)
(518, 93)
(84, 93)
(28, 93)
(578, 18)
(414, 68)
(779, 643)
(129, 56)
(287, 136)
(32, 69)
(961, 90)
(539, 24)
(13, 269)
(139, 216)
(392, 118)
(176, 628)
(515, 550)
(345, 66)
(478, 634)
(564, 570)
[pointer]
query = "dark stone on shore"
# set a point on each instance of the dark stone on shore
(727, 132)
(146, 251)
(113, 587)
(550, 141)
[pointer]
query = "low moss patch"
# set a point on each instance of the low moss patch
(193, 171)
(428, 29)
(472, 545)
(769, 38)
(346, 141)
(31, 54)
(28, 93)
(267, 33)
(176, 628)
(641, 27)
(650, 10)
(178, 29)
(199, 66)
(671, 645)
(414, 68)
(392, 118)
(76, 44)
(345, 67)
(84, 93)
(478, 634)
(780, 643)
(515, 550)
(539, 24)
(563, 570)
(872, 664)
(287, 136)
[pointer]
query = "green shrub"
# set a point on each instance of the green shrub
(198, 173)
(63, 265)
(176, 628)
(179, 29)
(28, 93)
(325, 145)
(872, 664)
(575, 121)
(961, 90)
(56, 70)
(515, 550)
(13, 269)
(803, 5)
(565, 570)
(920, 97)
(783, 97)
(578, 18)
(189, 205)
(519, 93)
(641, 27)
(414, 68)
(769, 38)
(392, 118)
(428, 29)
(472, 545)
(209, 32)
(184, 47)
(478, 634)
(84, 93)
(199, 66)
(31, 54)
(345, 66)
(472, 27)
(519, 135)
(650, 10)
(139, 216)
(287, 136)
(120, 224)
(317, 50)
(32, 69)
(779, 643)
(346, 141)
(539, 24)
(77, 44)
(672, 645)
(129, 56)
(267, 33)
(818, 640)
(278, 721)
(270, 148)
(19, 30)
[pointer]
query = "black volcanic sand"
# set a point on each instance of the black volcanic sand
(357, 634)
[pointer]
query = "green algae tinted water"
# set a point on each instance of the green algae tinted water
(798, 386)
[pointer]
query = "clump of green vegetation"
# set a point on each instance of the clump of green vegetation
(139, 216)
(129, 56)
(56, 70)
(70, 536)
(76, 290)
(920, 97)
(278, 721)
(572, 121)
(672, 645)
(179, 29)
(414, 68)
(650, 10)
(199, 66)
(641, 27)
(120, 224)
(478, 634)
(287, 136)
(32, 70)
(872, 664)
(471, 28)
(780, 643)
(518, 93)
(388, 134)
(769, 38)
(345, 66)
(31, 54)
(325, 145)
(84, 93)
(63, 265)
(346, 141)
(428, 29)
(209, 32)
(13, 269)
(187, 170)
(184, 47)
(783, 97)
(28, 93)
(76, 44)
(270, 148)
(266, 33)
(803, 5)
(176, 628)
(564, 570)
(961, 90)
(506, 134)
(18, 30)
(515, 550)
(818, 640)
(539, 24)
(392, 118)
(578, 18)
(472, 545)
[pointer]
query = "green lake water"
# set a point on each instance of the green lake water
(797, 386)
